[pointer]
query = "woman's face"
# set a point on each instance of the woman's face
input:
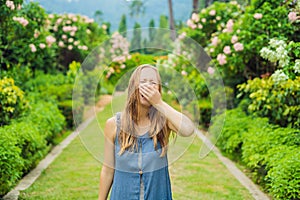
(148, 76)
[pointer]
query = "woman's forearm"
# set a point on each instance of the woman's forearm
(182, 123)
(106, 179)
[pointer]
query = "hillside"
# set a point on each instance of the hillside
(113, 9)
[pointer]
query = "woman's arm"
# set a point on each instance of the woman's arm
(107, 172)
(176, 120)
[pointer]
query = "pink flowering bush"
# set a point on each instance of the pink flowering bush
(75, 35)
(217, 17)
(24, 39)
(235, 49)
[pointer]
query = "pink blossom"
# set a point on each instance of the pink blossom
(19, 7)
(257, 15)
(61, 44)
(229, 26)
(227, 50)
(210, 70)
(292, 16)
(215, 41)
(218, 18)
(194, 26)
(70, 40)
(58, 21)
(51, 16)
(74, 19)
(183, 73)
(76, 43)
(108, 74)
(195, 17)
(182, 36)
(212, 12)
(104, 26)
(69, 28)
(221, 59)
(70, 47)
(74, 28)
(36, 34)
(32, 48)
(50, 40)
(122, 66)
(10, 4)
(203, 20)
(87, 19)
(21, 20)
(234, 39)
(189, 22)
(200, 26)
(42, 45)
(55, 28)
(84, 47)
(64, 36)
(238, 46)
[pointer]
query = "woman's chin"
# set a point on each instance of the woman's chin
(144, 102)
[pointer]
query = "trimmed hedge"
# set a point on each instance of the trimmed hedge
(26, 141)
(270, 152)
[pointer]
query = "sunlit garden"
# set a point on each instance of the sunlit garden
(251, 47)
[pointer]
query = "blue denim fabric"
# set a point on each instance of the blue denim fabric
(127, 176)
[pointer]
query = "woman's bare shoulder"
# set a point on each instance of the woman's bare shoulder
(110, 128)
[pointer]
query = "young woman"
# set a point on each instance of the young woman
(135, 151)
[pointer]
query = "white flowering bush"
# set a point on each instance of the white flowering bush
(285, 57)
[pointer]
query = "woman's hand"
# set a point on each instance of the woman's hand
(151, 93)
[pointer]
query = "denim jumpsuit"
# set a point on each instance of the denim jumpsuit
(142, 174)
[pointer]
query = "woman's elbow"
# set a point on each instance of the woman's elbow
(188, 130)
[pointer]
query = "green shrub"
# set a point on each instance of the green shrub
(58, 89)
(48, 119)
(284, 178)
(11, 162)
(270, 152)
(231, 138)
(25, 141)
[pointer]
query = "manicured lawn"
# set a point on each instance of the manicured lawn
(75, 173)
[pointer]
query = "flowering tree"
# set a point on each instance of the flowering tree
(20, 45)
(75, 35)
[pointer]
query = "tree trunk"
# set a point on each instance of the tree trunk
(208, 3)
(195, 6)
(171, 20)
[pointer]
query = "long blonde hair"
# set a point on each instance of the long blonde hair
(159, 131)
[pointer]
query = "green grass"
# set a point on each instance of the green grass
(75, 173)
